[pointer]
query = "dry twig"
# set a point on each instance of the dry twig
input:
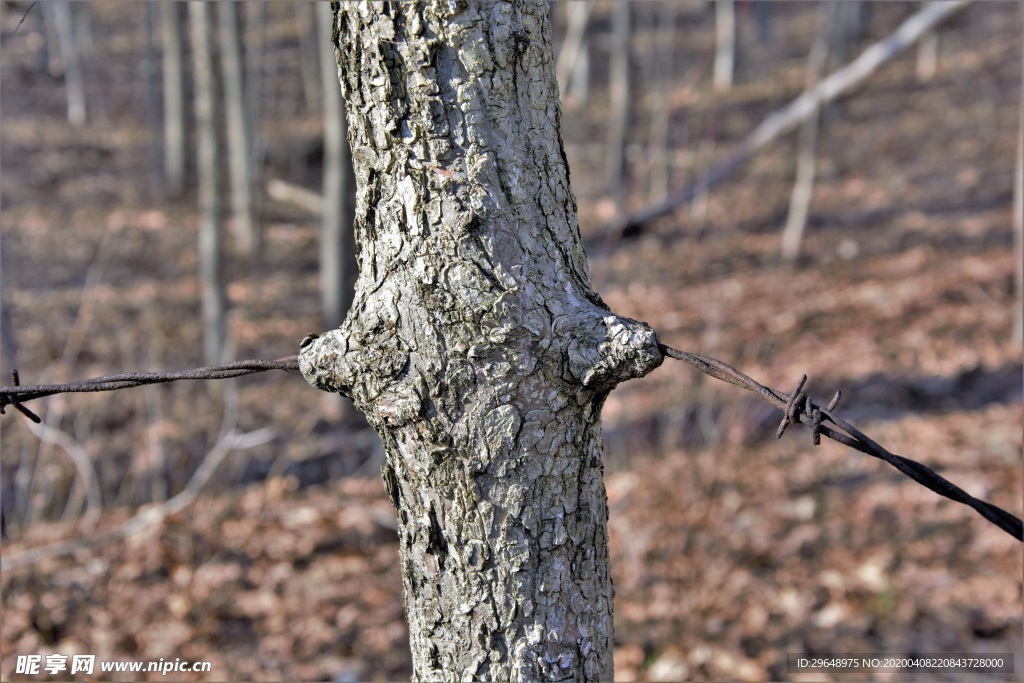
(151, 515)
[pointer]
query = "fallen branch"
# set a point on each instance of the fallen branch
(799, 404)
(299, 196)
(82, 463)
(804, 106)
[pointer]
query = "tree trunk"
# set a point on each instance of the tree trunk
(619, 108)
(310, 52)
(807, 142)
(337, 239)
(174, 98)
(74, 84)
(210, 207)
(1018, 217)
(475, 345)
(725, 44)
(246, 230)
(663, 60)
(572, 67)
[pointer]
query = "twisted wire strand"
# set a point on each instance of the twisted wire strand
(16, 394)
(793, 405)
(797, 403)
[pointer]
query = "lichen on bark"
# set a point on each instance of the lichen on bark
(475, 345)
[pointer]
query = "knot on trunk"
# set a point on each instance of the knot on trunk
(612, 350)
(359, 368)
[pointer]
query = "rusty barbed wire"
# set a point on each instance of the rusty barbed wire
(16, 394)
(798, 404)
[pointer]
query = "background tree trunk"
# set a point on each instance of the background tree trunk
(210, 209)
(237, 130)
(573, 66)
(174, 98)
(619, 108)
(1018, 217)
(307, 18)
(807, 142)
(664, 67)
(475, 345)
(74, 82)
(725, 44)
(337, 237)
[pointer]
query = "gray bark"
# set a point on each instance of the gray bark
(663, 61)
(246, 231)
(807, 142)
(475, 345)
(851, 25)
(619, 107)
(8, 340)
(74, 83)
(337, 237)
(725, 44)
(151, 97)
(310, 52)
(174, 98)
(210, 209)
(572, 67)
(1018, 217)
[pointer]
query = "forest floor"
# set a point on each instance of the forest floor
(730, 548)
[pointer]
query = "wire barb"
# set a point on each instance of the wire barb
(16, 381)
(792, 410)
(797, 402)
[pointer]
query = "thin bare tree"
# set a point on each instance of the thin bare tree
(237, 128)
(803, 186)
(573, 66)
(663, 63)
(785, 119)
(725, 44)
(619, 107)
(210, 209)
(337, 238)
(310, 56)
(1018, 214)
(74, 82)
(174, 98)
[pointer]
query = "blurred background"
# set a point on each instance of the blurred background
(157, 155)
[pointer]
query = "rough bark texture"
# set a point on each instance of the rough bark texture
(475, 345)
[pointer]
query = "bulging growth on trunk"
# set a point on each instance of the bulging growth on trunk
(475, 345)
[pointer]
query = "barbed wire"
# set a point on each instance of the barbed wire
(16, 394)
(794, 406)
(798, 404)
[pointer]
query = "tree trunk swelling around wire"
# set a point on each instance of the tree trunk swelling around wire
(475, 345)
